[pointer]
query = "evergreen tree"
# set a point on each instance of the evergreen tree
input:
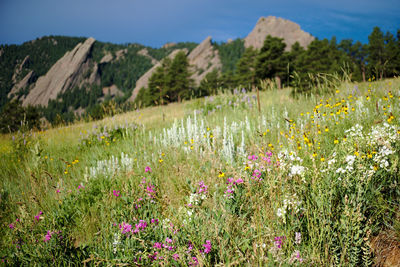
(13, 114)
(390, 55)
(245, 68)
(376, 51)
(272, 61)
(179, 86)
(210, 84)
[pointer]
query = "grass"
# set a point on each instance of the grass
(299, 183)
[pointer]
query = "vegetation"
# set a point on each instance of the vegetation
(169, 83)
(13, 116)
(309, 181)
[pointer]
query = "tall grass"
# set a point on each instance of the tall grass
(307, 181)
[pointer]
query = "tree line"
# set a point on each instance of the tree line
(299, 68)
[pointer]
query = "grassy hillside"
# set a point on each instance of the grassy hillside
(307, 181)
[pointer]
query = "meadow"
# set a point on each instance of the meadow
(306, 181)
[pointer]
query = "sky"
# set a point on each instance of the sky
(156, 22)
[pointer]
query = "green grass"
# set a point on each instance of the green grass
(308, 176)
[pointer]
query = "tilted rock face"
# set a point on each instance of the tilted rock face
(18, 69)
(25, 82)
(203, 59)
(144, 52)
(66, 73)
(144, 80)
(277, 27)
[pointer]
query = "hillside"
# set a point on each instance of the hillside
(308, 181)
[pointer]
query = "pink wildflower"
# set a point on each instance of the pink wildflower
(239, 181)
(194, 262)
(175, 256)
(37, 217)
(154, 221)
(140, 226)
(116, 193)
(207, 247)
(125, 227)
(157, 245)
(80, 186)
(202, 188)
(147, 169)
(11, 226)
(47, 237)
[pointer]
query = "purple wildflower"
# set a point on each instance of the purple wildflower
(47, 237)
(207, 247)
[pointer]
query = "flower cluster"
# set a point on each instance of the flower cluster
(231, 185)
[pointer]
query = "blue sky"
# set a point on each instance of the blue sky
(155, 22)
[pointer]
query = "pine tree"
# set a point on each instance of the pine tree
(376, 50)
(272, 60)
(178, 83)
(245, 68)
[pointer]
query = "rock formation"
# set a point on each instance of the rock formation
(112, 91)
(18, 69)
(277, 27)
(144, 79)
(106, 58)
(23, 84)
(66, 73)
(203, 59)
(144, 52)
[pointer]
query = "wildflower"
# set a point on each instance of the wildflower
(221, 174)
(296, 170)
(207, 247)
(154, 221)
(157, 245)
(116, 193)
(202, 188)
(160, 160)
(194, 262)
(278, 240)
(11, 226)
(47, 237)
(147, 169)
(37, 217)
(298, 238)
(175, 256)
(125, 228)
(80, 186)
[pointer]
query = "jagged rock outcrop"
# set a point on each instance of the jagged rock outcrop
(112, 91)
(203, 59)
(277, 27)
(144, 52)
(120, 53)
(66, 73)
(18, 69)
(144, 80)
(23, 84)
(106, 58)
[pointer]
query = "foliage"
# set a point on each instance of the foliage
(308, 181)
(230, 53)
(169, 83)
(14, 116)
